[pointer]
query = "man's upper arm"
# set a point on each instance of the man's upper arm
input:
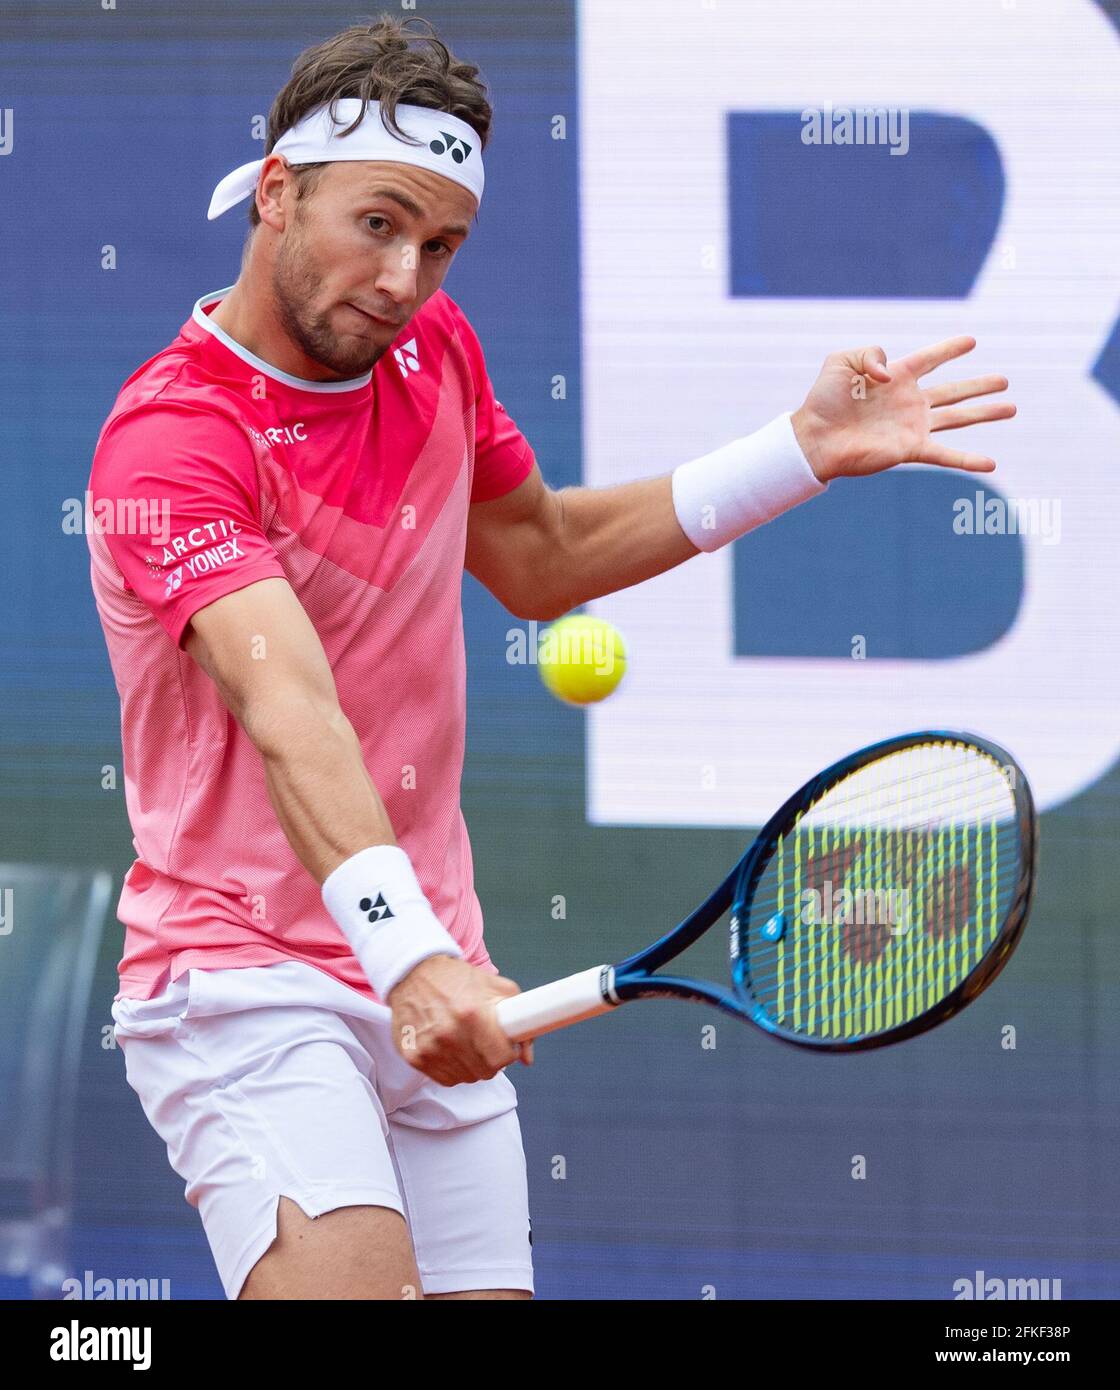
(180, 486)
(262, 652)
(514, 540)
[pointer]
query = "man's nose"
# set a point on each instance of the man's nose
(398, 275)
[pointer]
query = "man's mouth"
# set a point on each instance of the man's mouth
(374, 318)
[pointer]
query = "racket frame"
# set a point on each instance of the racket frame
(633, 977)
(602, 988)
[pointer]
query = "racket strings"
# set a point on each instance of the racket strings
(860, 939)
(938, 912)
(983, 774)
(936, 815)
(943, 841)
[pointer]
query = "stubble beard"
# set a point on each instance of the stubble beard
(294, 284)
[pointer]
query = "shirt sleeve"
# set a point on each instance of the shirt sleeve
(503, 457)
(174, 493)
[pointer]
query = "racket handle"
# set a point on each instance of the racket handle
(570, 1000)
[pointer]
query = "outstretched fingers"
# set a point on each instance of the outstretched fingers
(925, 359)
(956, 417)
(950, 392)
(941, 457)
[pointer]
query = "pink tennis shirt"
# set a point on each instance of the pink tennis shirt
(215, 470)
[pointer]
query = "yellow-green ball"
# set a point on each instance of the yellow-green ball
(581, 659)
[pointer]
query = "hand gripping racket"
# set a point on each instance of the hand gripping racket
(882, 898)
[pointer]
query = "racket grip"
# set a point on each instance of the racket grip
(565, 1001)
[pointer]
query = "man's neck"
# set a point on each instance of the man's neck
(250, 318)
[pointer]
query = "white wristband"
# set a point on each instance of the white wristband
(382, 911)
(750, 481)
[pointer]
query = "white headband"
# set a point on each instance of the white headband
(448, 146)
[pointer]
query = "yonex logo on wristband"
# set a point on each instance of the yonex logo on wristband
(377, 908)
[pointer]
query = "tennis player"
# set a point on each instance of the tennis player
(306, 999)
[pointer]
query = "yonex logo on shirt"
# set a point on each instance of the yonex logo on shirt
(203, 561)
(407, 357)
(377, 909)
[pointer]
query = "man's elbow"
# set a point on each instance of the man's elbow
(538, 608)
(543, 589)
(540, 584)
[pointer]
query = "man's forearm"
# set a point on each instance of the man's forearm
(335, 820)
(316, 779)
(614, 537)
(324, 799)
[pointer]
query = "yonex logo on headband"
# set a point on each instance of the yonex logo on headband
(460, 150)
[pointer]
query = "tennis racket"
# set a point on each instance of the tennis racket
(883, 897)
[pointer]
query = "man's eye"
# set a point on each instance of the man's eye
(374, 219)
(446, 251)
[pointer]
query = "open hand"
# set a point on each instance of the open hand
(865, 414)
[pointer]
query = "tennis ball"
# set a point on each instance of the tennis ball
(581, 659)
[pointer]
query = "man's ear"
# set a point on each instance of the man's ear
(275, 181)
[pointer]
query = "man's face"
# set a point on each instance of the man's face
(372, 240)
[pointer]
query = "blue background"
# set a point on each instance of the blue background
(685, 1168)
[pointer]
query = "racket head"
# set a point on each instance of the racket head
(885, 894)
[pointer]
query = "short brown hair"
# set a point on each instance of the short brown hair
(375, 61)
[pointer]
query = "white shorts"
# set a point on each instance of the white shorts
(279, 1081)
